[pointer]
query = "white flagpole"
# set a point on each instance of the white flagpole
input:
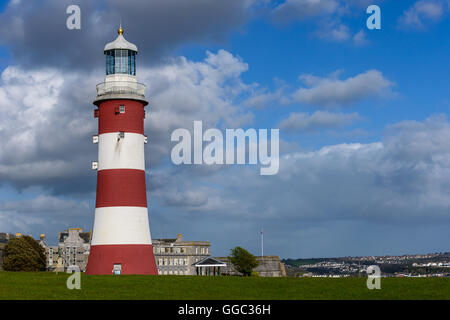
(262, 243)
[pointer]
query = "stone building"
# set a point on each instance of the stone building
(72, 250)
(269, 266)
(178, 257)
(4, 238)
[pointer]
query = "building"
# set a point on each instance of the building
(178, 257)
(4, 238)
(121, 239)
(269, 266)
(72, 250)
(209, 267)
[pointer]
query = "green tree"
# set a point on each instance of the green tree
(24, 254)
(243, 261)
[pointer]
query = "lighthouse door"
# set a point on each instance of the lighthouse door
(117, 269)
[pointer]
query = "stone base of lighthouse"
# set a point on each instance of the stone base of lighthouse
(121, 240)
(133, 258)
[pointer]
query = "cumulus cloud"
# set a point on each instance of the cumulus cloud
(37, 33)
(329, 17)
(405, 176)
(331, 91)
(302, 121)
(422, 12)
(47, 116)
(334, 32)
(339, 193)
(43, 212)
(359, 38)
(303, 9)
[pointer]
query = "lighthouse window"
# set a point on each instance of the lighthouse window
(122, 109)
(121, 61)
(110, 61)
(132, 63)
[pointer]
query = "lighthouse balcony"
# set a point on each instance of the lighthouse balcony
(120, 88)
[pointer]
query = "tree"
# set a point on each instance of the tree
(243, 261)
(24, 254)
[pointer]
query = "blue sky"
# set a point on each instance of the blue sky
(362, 117)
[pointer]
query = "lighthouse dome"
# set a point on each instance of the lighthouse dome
(120, 43)
(120, 56)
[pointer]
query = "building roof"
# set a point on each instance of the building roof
(210, 262)
(86, 236)
(4, 237)
(120, 43)
(165, 240)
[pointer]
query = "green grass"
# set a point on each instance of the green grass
(33, 285)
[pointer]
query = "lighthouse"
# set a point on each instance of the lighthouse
(121, 241)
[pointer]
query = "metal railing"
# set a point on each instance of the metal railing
(121, 87)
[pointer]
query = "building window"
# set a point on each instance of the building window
(122, 109)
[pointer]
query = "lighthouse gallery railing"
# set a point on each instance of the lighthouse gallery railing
(120, 87)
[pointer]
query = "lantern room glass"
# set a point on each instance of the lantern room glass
(121, 61)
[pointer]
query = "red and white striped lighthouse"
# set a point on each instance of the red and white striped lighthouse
(121, 241)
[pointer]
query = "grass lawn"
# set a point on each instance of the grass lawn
(46, 285)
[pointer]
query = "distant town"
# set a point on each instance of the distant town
(411, 265)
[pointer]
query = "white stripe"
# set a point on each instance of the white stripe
(121, 225)
(126, 153)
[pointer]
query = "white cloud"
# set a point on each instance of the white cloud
(47, 115)
(359, 38)
(331, 91)
(318, 120)
(334, 32)
(303, 9)
(328, 16)
(42, 211)
(422, 12)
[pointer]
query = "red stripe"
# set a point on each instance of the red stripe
(121, 187)
(134, 258)
(112, 121)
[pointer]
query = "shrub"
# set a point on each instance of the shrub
(24, 254)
